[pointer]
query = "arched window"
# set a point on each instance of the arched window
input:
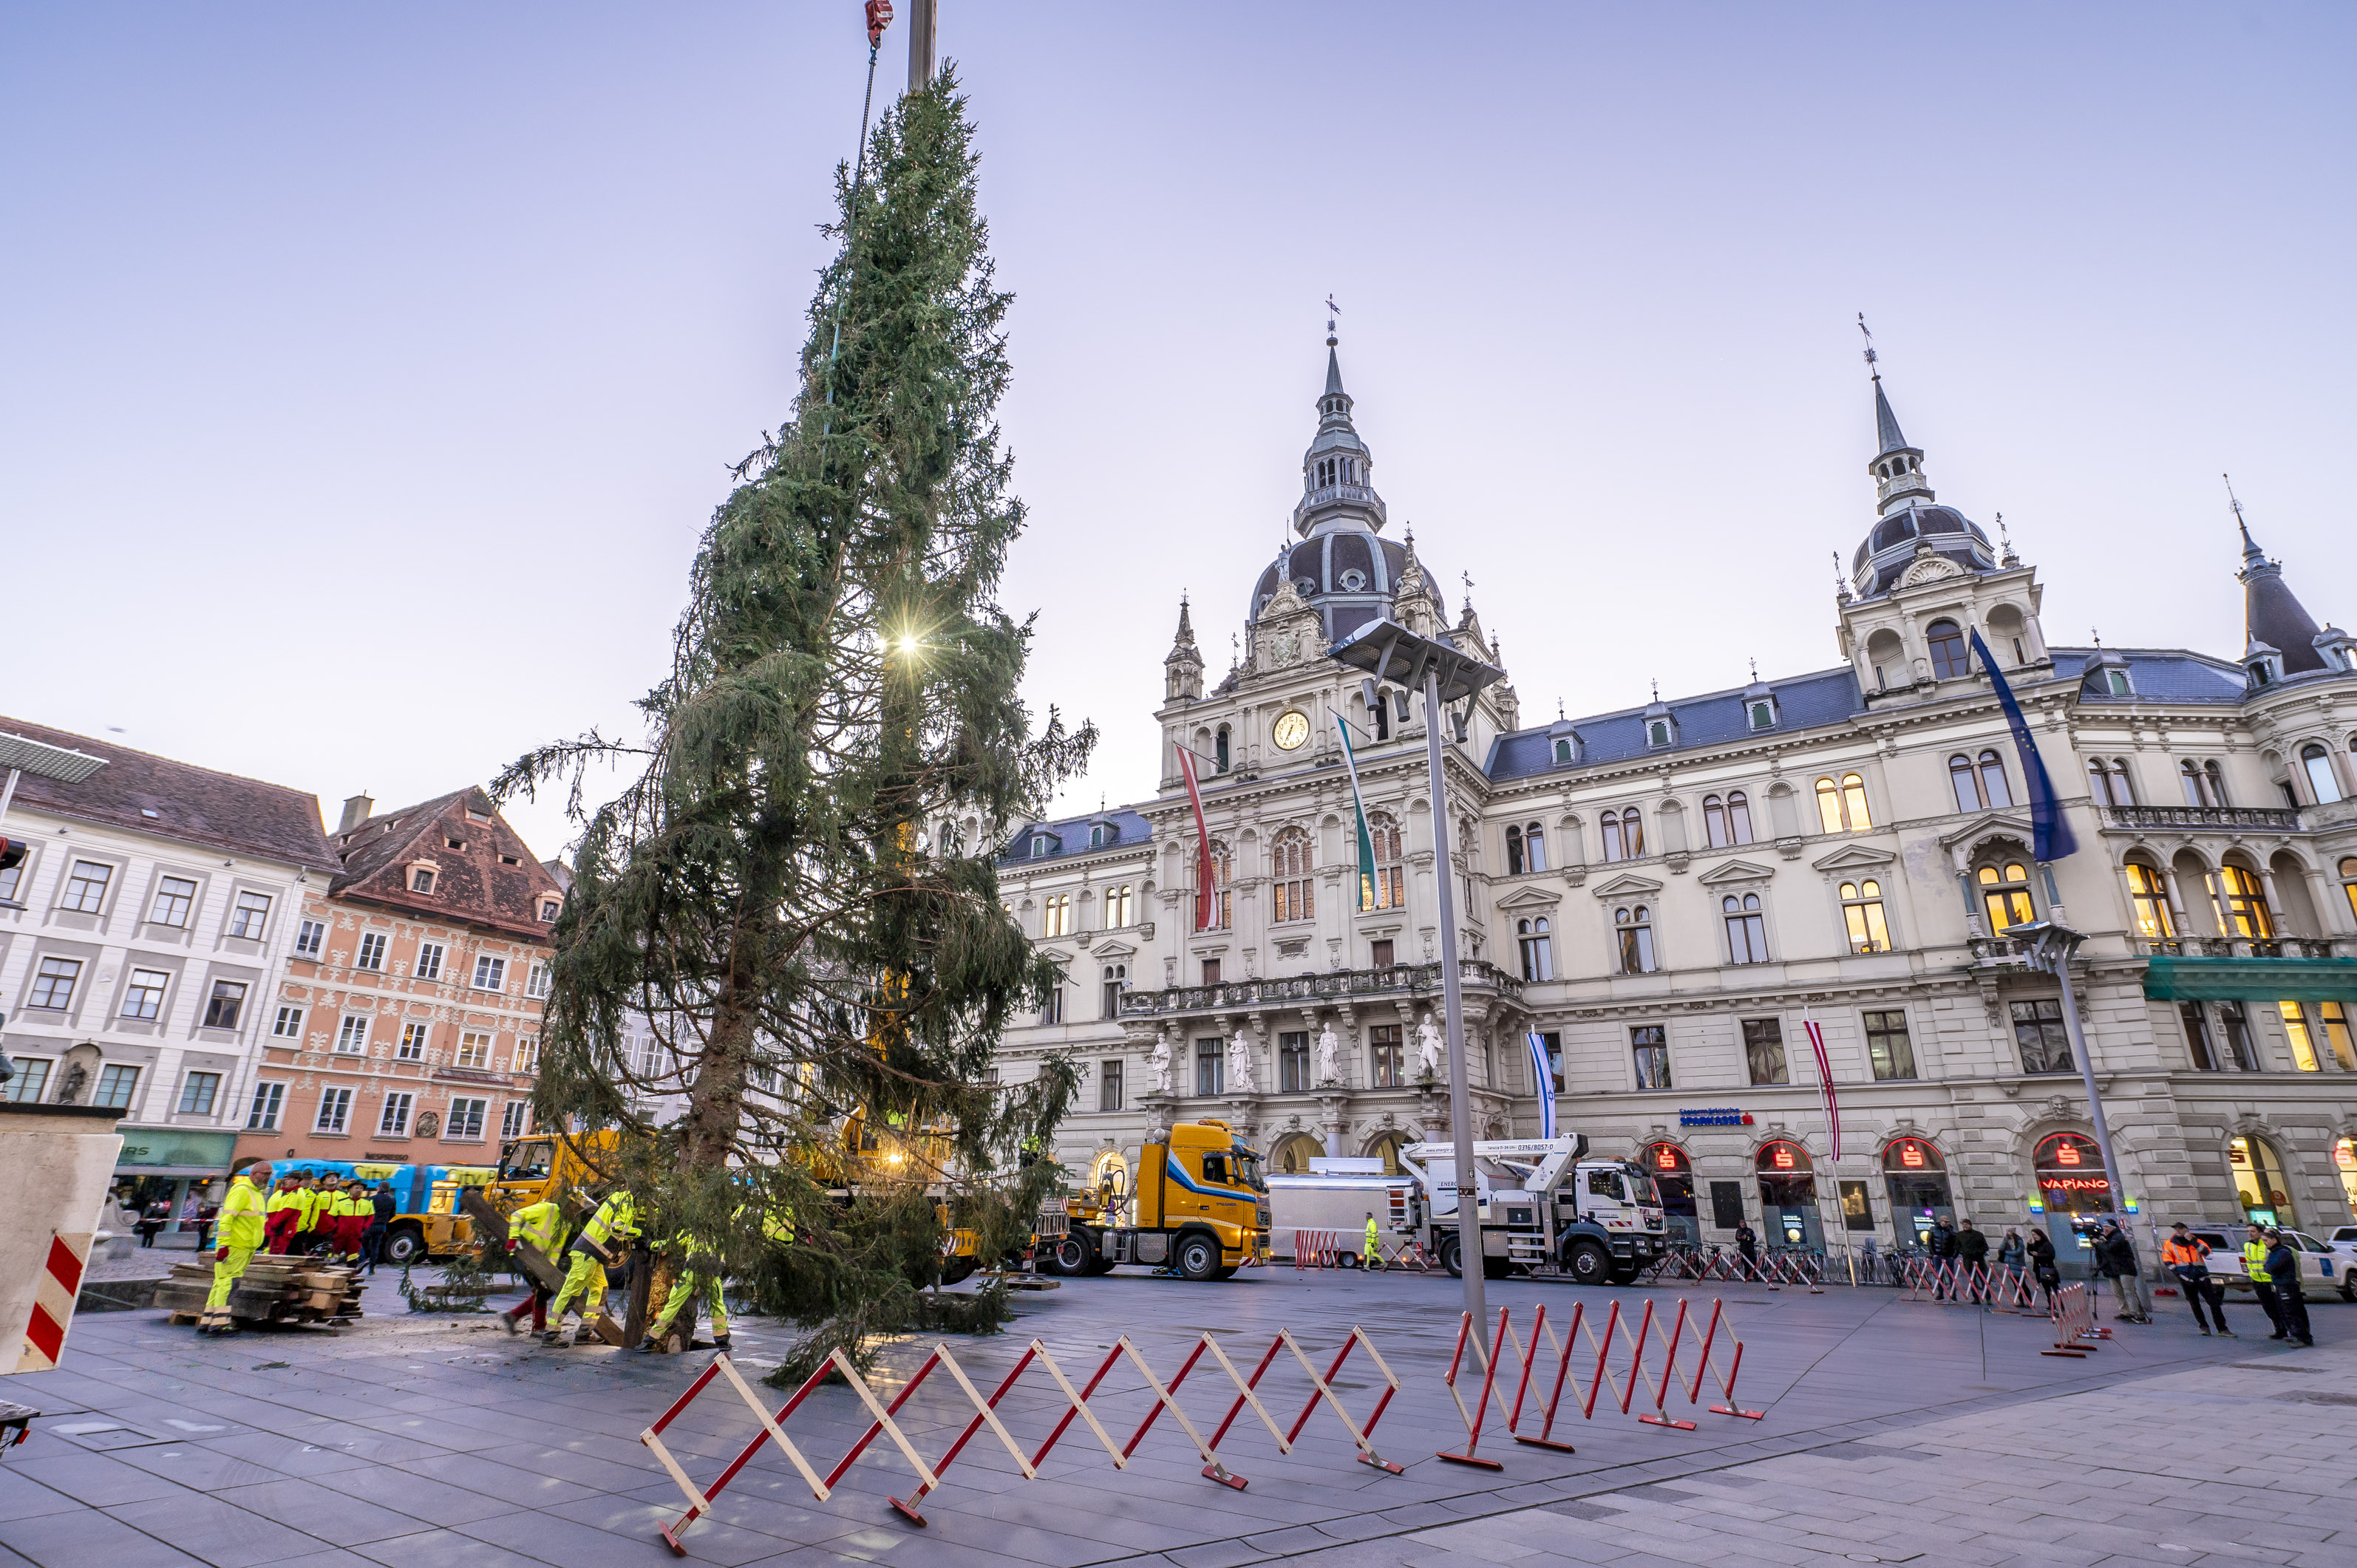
(1738, 817)
(2259, 1182)
(2108, 782)
(1747, 929)
(2215, 778)
(1632, 930)
(1965, 781)
(1763, 715)
(1056, 915)
(1220, 748)
(2005, 894)
(2244, 898)
(1993, 787)
(1514, 852)
(1714, 821)
(1624, 835)
(1534, 845)
(2069, 1169)
(2321, 777)
(1783, 1158)
(1538, 948)
(1659, 731)
(1119, 906)
(1290, 866)
(1117, 977)
(1102, 834)
(1948, 657)
(1841, 807)
(1562, 751)
(1389, 887)
(1870, 930)
(1906, 1156)
(2188, 777)
(2149, 897)
(1222, 907)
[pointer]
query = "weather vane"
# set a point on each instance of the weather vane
(2231, 499)
(1871, 362)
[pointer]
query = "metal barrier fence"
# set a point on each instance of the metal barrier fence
(2075, 1330)
(1805, 1271)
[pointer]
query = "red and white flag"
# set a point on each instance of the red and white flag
(1817, 1032)
(1206, 895)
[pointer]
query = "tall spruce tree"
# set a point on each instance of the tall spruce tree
(826, 980)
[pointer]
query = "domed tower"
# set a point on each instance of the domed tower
(1338, 563)
(1909, 522)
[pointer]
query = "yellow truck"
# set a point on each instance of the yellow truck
(1201, 1208)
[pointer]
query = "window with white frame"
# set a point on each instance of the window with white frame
(1294, 874)
(414, 1036)
(269, 1099)
(335, 1111)
(288, 1024)
(352, 1037)
(429, 960)
(1841, 806)
(115, 1085)
(466, 1119)
(474, 1048)
(250, 917)
(1118, 905)
(1051, 1010)
(225, 1006)
(393, 1121)
(527, 1055)
(1726, 822)
(490, 973)
(516, 1119)
(12, 882)
(1869, 929)
(1056, 915)
(175, 899)
(371, 950)
(85, 889)
(143, 998)
(32, 1077)
(1537, 946)
(309, 936)
(421, 878)
(1747, 929)
(54, 979)
(198, 1091)
(1633, 933)
(549, 909)
(538, 981)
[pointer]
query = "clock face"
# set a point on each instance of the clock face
(1292, 729)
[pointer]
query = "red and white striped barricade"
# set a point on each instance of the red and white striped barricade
(2074, 1323)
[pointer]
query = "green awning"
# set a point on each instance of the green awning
(2251, 979)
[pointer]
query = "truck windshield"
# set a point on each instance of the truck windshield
(1248, 1169)
(1648, 1195)
(526, 1160)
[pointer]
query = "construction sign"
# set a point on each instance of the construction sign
(60, 1159)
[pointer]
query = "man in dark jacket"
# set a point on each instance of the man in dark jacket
(1942, 1244)
(2283, 1271)
(383, 1206)
(1747, 1242)
(1972, 1253)
(2116, 1261)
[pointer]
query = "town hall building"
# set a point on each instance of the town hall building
(1666, 894)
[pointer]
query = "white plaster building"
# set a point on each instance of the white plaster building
(1666, 894)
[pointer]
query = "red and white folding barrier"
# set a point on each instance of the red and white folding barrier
(2074, 1323)
(985, 1414)
(1316, 1249)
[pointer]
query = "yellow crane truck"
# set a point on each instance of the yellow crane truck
(1201, 1208)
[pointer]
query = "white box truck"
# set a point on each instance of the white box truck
(1541, 1205)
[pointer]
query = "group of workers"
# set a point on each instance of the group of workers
(604, 1243)
(307, 1213)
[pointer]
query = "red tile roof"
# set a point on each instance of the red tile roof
(476, 885)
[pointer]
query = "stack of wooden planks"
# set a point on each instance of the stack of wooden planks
(274, 1288)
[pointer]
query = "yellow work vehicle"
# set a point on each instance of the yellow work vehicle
(1201, 1208)
(550, 1165)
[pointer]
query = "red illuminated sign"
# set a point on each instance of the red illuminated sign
(1911, 1155)
(2074, 1183)
(1667, 1158)
(2066, 1155)
(1783, 1158)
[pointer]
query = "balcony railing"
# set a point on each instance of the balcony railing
(2235, 946)
(1340, 495)
(2213, 818)
(1336, 985)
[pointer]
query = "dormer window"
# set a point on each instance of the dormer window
(550, 909)
(454, 843)
(1763, 714)
(1102, 833)
(423, 875)
(2118, 679)
(2260, 675)
(1658, 733)
(1039, 846)
(474, 816)
(1354, 580)
(1562, 751)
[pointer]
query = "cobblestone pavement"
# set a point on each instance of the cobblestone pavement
(1895, 1432)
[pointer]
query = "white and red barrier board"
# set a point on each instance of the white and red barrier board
(59, 1160)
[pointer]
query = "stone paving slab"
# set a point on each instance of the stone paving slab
(413, 1439)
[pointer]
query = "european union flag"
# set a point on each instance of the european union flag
(2051, 833)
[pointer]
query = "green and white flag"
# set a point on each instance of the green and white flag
(1359, 809)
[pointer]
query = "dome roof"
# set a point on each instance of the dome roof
(1886, 551)
(1348, 575)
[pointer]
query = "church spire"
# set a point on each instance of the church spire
(1337, 484)
(1182, 667)
(2274, 620)
(1897, 467)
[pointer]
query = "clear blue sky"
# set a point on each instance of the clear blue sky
(367, 373)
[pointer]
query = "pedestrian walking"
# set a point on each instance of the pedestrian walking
(1747, 1243)
(1972, 1258)
(1371, 1251)
(2255, 1267)
(2187, 1256)
(153, 1218)
(1942, 1244)
(2042, 1266)
(2116, 1259)
(2283, 1271)
(382, 1206)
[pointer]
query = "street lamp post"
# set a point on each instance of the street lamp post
(1389, 651)
(2050, 948)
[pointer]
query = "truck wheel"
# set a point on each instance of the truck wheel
(1587, 1263)
(1448, 1258)
(1199, 1256)
(1071, 1255)
(404, 1246)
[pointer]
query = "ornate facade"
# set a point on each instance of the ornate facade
(1667, 894)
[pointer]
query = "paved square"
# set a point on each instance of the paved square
(1895, 1432)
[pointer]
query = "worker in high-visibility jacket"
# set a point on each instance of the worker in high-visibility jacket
(281, 1214)
(1372, 1251)
(306, 1214)
(2255, 1263)
(699, 1275)
(601, 1242)
(240, 1236)
(359, 1208)
(541, 1226)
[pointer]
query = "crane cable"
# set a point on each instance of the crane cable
(879, 17)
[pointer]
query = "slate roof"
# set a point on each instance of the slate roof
(1073, 834)
(2162, 674)
(1716, 719)
(193, 805)
(474, 885)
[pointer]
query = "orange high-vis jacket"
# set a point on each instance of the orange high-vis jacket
(2194, 1253)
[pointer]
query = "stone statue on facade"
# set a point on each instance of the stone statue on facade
(1240, 1066)
(1329, 1051)
(1158, 1063)
(1427, 1049)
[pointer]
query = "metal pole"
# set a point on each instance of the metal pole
(2061, 968)
(1452, 1007)
(920, 45)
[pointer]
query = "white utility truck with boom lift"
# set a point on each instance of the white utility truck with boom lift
(1600, 1221)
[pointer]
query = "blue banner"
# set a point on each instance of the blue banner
(2052, 834)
